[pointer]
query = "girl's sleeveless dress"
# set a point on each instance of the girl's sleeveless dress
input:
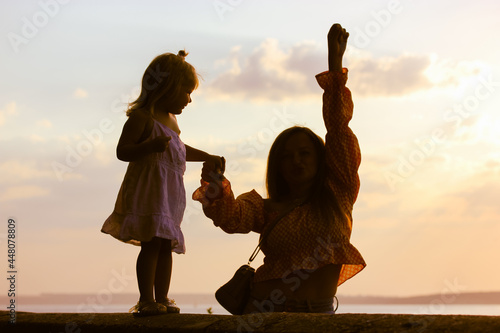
(152, 197)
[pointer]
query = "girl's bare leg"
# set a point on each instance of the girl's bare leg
(163, 271)
(146, 268)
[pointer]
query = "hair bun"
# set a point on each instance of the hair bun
(182, 54)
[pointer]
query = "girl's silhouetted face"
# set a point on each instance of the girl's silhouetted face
(176, 104)
(299, 161)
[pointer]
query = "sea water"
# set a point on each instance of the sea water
(427, 309)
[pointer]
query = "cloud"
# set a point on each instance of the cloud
(445, 206)
(23, 192)
(389, 76)
(406, 73)
(450, 72)
(36, 138)
(272, 72)
(245, 168)
(41, 125)
(80, 93)
(442, 181)
(17, 171)
(44, 123)
(478, 130)
(269, 73)
(8, 111)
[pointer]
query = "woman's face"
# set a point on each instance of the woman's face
(299, 162)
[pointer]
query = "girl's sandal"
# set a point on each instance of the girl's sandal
(144, 309)
(170, 305)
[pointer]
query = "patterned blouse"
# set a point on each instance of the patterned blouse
(300, 240)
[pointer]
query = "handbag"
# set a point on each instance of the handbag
(234, 295)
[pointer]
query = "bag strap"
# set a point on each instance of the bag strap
(268, 230)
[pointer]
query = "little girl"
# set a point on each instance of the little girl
(151, 201)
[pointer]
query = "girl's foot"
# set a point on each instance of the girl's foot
(170, 305)
(143, 309)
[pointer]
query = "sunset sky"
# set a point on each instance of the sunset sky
(425, 80)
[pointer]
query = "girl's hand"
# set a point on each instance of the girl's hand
(160, 144)
(337, 43)
(212, 172)
(216, 163)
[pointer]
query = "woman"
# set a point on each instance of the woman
(308, 252)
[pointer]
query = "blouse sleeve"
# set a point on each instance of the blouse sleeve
(343, 155)
(233, 215)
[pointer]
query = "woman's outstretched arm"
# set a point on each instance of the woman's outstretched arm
(342, 149)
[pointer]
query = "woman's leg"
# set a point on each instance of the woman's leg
(146, 268)
(312, 291)
(163, 271)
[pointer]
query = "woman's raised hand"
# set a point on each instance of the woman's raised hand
(337, 43)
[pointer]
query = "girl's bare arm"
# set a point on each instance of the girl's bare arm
(132, 146)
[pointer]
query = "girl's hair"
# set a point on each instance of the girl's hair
(167, 74)
(322, 198)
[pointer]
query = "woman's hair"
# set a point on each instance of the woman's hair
(322, 198)
(167, 74)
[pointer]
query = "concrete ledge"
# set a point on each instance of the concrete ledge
(271, 323)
